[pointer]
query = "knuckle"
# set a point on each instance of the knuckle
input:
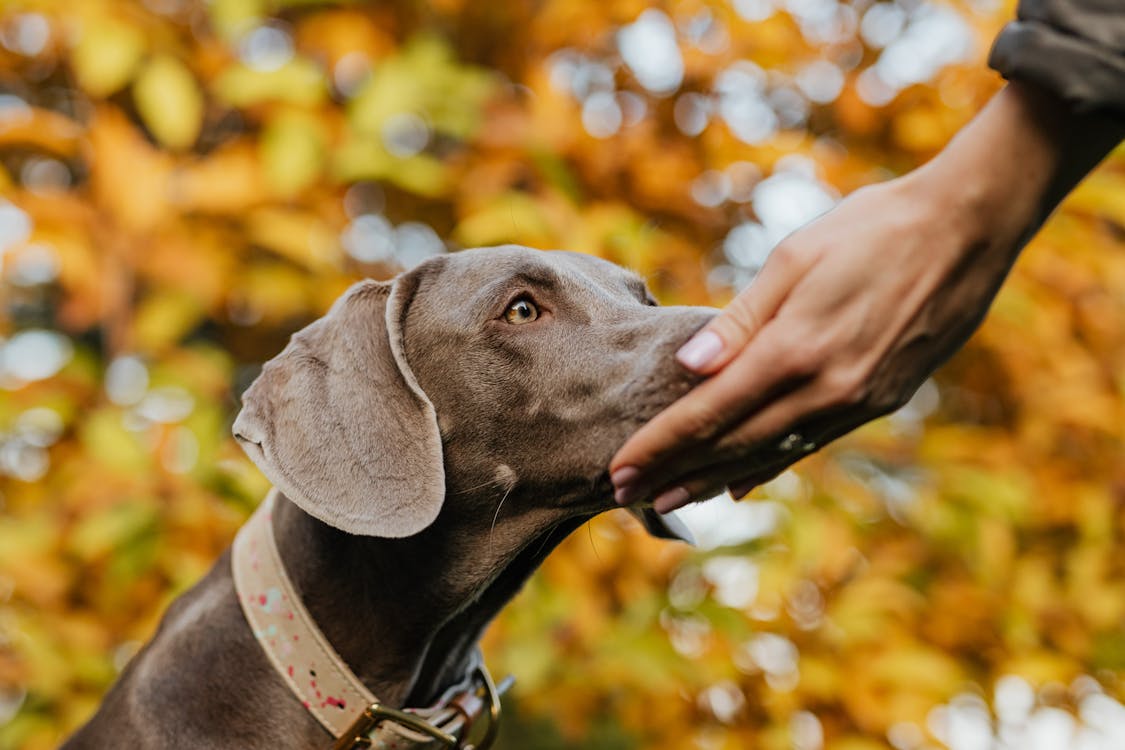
(804, 360)
(784, 254)
(740, 443)
(845, 388)
(704, 489)
(750, 438)
(887, 401)
(796, 252)
(700, 422)
(738, 324)
(691, 420)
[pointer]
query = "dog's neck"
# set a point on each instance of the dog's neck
(406, 614)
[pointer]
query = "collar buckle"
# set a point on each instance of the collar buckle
(358, 734)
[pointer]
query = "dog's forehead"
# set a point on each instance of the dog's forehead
(471, 272)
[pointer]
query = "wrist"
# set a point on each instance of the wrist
(999, 179)
(991, 181)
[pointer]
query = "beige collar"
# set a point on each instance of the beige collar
(321, 680)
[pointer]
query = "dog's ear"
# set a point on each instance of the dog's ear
(339, 424)
(664, 526)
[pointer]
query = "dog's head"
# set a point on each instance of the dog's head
(498, 366)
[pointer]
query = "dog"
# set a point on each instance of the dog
(430, 440)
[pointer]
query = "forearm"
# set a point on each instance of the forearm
(1004, 173)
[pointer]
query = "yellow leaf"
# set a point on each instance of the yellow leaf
(274, 291)
(163, 319)
(1040, 667)
(107, 55)
(855, 743)
(514, 217)
(293, 152)
(23, 539)
(233, 17)
(227, 181)
(169, 101)
(103, 532)
(129, 177)
(40, 128)
(1100, 194)
(363, 158)
(425, 79)
(301, 237)
(106, 440)
(299, 82)
(421, 174)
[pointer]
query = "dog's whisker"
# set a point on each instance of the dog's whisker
(590, 534)
(496, 515)
(491, 482)
(546, 538)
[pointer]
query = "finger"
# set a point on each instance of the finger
(809, 418)
(701, 485)
(743, 487)
(718, 342)
(831, 424)
(704, 426)
(714, 480)
(706, 411)
(812, 415)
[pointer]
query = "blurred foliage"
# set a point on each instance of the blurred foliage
(185, 183)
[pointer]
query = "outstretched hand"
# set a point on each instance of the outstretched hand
(843, 323)
(853, 311)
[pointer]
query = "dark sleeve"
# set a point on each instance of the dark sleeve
(1073, 48)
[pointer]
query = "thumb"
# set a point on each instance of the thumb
(717, 343)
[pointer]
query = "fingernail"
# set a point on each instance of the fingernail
(625, 489)
(740, 491)
(624, 476)
(671, 499)
(702, 348)
(627, 494)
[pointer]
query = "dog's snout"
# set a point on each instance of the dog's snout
(685, 322)
(651, 378)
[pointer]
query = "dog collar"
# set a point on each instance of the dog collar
(320, 679)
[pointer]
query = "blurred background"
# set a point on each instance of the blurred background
(184, 183)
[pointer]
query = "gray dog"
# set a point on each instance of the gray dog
(431, 439)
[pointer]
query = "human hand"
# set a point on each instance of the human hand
(846, 319)
(853, 311)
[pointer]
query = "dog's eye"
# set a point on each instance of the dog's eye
(521, 311)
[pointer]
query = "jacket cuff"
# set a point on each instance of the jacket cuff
(1088, 76)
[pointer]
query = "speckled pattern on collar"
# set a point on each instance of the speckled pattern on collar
(315, 673)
